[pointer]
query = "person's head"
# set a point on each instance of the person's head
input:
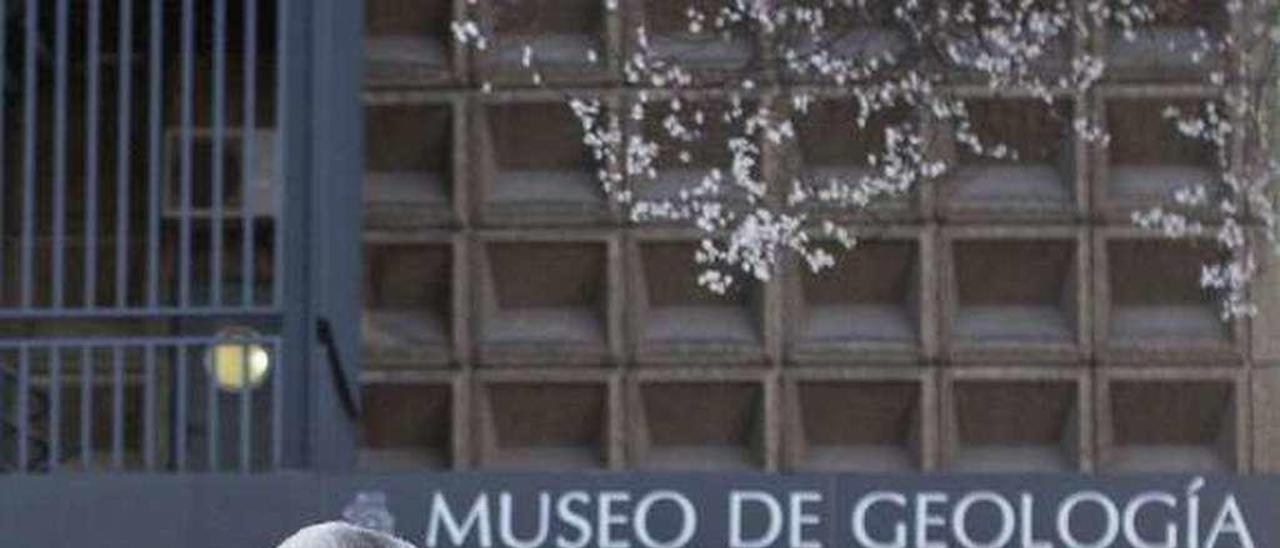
(341, 535)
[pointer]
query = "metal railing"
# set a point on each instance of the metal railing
(184, 404)
(142, 214)
(16, 427)
(133, 183)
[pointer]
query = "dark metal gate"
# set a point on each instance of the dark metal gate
(178, 234)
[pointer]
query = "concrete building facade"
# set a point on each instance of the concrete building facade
(1006, 318)
(503, 315)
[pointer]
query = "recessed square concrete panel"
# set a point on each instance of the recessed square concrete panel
(862, 34)
(1173, 426)
(407, 39)
(405, 427)
(680, 317)
(830, 135)
(1015, 425)
(687, 156)
(970, 49)
(543, 297)
(558, 33)
(1173, 45)
(833, 146)
(546, 175)
(1166, 311)
(1149, 159)
(537, 425)
(728, 435)
(868, 302)
(409, 172)
(408, 316)
(667, 24)
(1019, 292)
(1035, 177)
(865, 426)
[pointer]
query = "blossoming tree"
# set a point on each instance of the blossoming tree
(716, 84)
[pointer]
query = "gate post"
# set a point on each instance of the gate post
(336, 168)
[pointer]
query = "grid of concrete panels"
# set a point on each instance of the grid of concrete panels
(1008, 318)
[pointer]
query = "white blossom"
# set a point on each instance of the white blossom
(891, 56)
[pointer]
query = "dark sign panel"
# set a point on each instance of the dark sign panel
(818, 511)
(654, 511)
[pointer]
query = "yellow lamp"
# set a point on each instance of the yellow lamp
(237, 366)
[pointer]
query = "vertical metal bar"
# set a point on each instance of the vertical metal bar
(55, 407)
(60, 157)
(154, 162)
(188, 85)
(297, 324)
(247, 169)
(211, 411)
(219, 148)
(277, 406)
(29, 153)
(245, 424)
(24, 413)
(86, 406)
(4, 409)
(123, 147)
(149, 407)
(91, 156)
(4, 147)
(180, 422)
(117, 406)
(282, 140)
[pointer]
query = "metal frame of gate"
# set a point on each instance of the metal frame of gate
(83, 384)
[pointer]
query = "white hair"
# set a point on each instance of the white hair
(337, 534)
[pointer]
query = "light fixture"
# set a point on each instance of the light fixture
(236, 363)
